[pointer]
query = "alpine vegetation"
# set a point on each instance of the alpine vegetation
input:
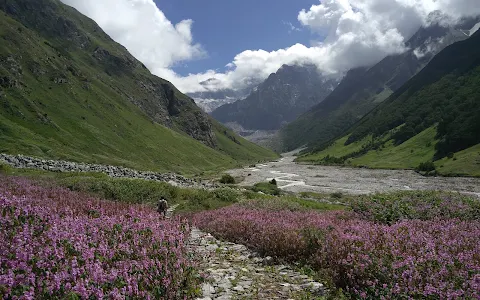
(58, 244)
(436, 257)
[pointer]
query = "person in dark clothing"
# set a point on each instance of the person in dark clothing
(162, 207)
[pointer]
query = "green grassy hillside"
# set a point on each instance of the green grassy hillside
(363, 89)
(67, 91)
(384, 154)
(445, 92)
(408, 155)
(434, 117)
(463, 163)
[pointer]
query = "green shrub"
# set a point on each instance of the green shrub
(332, 160)
(5, 169)
(337, 195)
(148, 192)
(267, 188)
(273, 181)
(227, 179)
(428, 166)
(124, 190)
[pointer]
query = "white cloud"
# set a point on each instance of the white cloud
(144, 30)
(430, 46)
(357, 33)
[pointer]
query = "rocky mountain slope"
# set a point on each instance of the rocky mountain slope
(211, 100)
(284, 96)
(364, 88)
(210, 104)
(67, 90)
(434, 116)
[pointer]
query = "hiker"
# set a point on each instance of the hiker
(162, 207)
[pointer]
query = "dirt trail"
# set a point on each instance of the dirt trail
(325, 179)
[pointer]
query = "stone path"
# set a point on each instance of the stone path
(234, 272)
(170, 211)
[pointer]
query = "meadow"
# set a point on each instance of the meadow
(59, 244)
(422, 245)
(63, 240)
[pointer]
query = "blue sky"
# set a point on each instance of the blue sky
(225, 28)
(252, 36)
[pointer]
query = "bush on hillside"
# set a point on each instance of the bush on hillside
(332, 160)
(227, 195)
(337, 195)
(227, 179)
(273, 181)
(428, 166)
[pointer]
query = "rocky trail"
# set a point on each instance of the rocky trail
(170, 211)
(234, 272)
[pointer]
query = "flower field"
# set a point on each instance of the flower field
(434, 258)
(61, 244)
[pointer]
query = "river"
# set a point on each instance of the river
(294, 177)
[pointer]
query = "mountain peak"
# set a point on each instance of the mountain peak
(281, 98)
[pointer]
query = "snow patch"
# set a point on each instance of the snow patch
(474, 29)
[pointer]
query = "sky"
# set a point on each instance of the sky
(244, 28)
(212, 45)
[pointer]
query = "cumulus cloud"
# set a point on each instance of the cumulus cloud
(144, 30)
(356, 33)
(430, 46)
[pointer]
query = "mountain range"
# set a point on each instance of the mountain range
(280, 99)
(68, 91)
(434, 117)
(362, 89)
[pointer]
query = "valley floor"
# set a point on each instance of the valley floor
(297, 178)
(287, 228)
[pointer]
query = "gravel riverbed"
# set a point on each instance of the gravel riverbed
(294, 177)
